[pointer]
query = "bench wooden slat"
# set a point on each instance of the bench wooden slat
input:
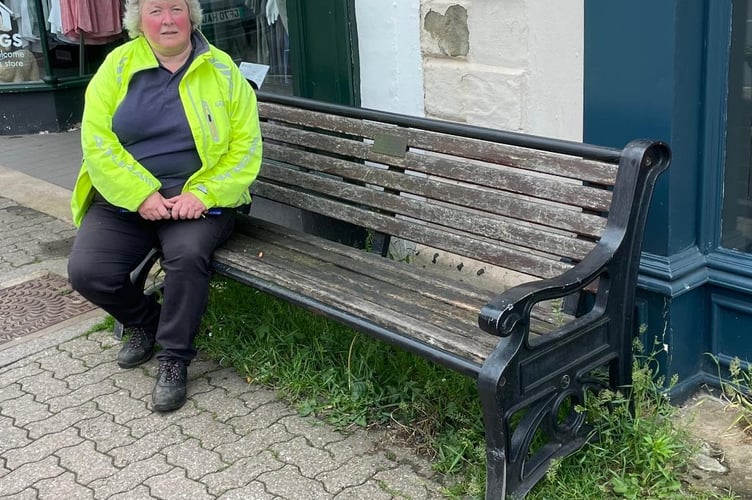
(503, 154)
(484, 199)
(506, 256)
(449, 310)
(442, 313)
(558, 164)
(473, 223)
(535, 185)
(547, 187)
(417, 281)
(375, 300)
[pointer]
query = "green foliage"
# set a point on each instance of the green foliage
(636, 451)
(737, 391)
(106, 324)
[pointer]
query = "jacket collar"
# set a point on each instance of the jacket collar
(147, 59)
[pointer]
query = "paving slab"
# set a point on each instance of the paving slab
(90, 433)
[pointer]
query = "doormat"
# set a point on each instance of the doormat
(36, 304)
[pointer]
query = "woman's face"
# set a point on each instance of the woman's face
(166, 25)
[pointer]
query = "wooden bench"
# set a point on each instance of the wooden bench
(544, 242)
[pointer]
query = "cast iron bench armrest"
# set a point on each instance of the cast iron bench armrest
(641, 162)
(511, 309)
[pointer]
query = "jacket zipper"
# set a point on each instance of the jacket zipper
(210, 120)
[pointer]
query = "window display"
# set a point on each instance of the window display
(53, 40)
(56, 39)
(252, 31)
(17, 38)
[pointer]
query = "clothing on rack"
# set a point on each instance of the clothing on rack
(23, 17)
(56, 21)
(94, 22)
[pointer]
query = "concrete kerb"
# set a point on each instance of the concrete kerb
(34, 193)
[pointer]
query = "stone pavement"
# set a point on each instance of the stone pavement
(73, 425)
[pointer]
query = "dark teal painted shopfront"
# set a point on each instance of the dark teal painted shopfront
(676, 70)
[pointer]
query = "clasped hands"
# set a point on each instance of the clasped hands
(182, 206)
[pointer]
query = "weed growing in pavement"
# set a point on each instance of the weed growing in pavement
(348, 379)
(737, 391)
(106, 324)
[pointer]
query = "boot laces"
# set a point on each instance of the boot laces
(171, 368)
(137, 337)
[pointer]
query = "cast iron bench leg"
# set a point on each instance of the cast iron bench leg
(138, 278)
(489, 388)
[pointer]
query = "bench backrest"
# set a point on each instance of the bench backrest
(530, 205)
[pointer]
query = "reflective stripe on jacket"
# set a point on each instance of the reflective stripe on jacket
(221, 109)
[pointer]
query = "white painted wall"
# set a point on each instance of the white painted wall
(391, 70)
(524, 70)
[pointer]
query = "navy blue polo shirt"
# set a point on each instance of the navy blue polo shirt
(152, 126)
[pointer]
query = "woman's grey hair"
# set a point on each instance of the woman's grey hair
(132, 16)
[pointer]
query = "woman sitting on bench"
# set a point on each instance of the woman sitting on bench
(171, 143)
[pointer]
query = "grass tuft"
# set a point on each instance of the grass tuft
(107, 323)
(736, 391)
(636, 451)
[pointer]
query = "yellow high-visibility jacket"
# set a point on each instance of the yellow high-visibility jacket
(222, 114)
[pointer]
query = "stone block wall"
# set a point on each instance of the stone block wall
(508, 64)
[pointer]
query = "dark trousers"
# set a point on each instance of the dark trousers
(110, 244)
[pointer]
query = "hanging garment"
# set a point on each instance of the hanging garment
(28, 25)
(55, 18)
(92, 21)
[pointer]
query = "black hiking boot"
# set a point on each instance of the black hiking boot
(138, 349)
(170, 390)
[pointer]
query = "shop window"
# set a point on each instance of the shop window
(20, 53)
(72, 45)
(50, 40)
(737, 193)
